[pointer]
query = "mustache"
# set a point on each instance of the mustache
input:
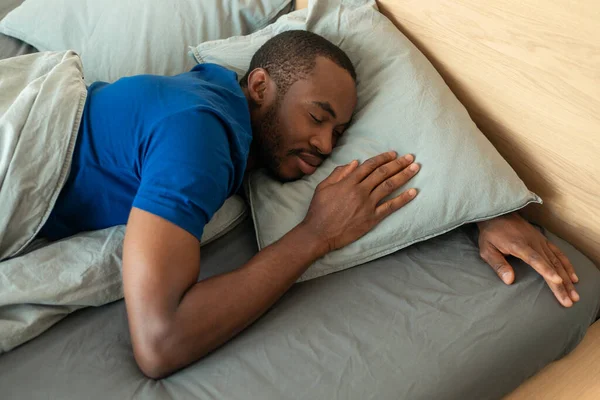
(296, 152)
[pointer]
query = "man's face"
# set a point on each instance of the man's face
(294, 134)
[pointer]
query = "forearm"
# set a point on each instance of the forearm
(216, 309)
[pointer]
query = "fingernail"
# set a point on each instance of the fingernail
(506, 277)
(393, 153)
(575, 278)
(409, 157)
(557, 279)
(414, 167)
(568, 302)
(574, 295)
(412, 192)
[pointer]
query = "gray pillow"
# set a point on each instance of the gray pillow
(403, 105)
(231, 213)
(117, 38)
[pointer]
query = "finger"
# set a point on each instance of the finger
(535, 260)
(570, 289)
(388, 170)
(347, 170)
(388, 186)
(372, 164)
(565, 261)
(560, 292)
(496, 260)
(395, 204)
(340, 172)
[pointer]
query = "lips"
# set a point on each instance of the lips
(305, 167)
(311, 159)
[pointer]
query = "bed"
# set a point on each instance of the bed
(429, 321)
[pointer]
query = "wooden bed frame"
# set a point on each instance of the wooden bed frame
(529, 74)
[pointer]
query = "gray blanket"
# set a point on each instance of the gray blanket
(42, 101)
(43, 96)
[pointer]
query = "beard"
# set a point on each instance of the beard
(269, 145)
(267, 141)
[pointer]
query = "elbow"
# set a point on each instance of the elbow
(152, 354)
(153, 368)
(152, 362)
(160, 349)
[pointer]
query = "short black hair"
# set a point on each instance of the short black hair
(291, 55)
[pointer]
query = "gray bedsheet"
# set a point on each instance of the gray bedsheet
(9, 46)
(428, 322)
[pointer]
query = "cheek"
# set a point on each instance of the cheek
(294, 128)
(288, 169)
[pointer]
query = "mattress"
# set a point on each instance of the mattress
(429, 321)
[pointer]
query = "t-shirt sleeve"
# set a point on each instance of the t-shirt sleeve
(186, 171)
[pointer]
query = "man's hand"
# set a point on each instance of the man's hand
(512, 235)
(174, 320)
(349, 203)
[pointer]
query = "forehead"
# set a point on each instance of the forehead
(328, 83)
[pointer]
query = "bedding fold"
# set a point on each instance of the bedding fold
(43, 96)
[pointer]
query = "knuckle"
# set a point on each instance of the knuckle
(389, 207)
(561, 289)
(498, 266)
(389, 185)
(383, 170)
(568, 285)
(371, 162)
(516, 245)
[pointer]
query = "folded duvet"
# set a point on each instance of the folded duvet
(41, 103)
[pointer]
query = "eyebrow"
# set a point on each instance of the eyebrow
(326, 106)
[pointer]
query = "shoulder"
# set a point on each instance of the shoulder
(193, 131)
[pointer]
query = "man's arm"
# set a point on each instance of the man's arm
(174, 320)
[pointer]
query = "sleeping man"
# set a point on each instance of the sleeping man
(162, 154)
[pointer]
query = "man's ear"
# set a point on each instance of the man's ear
(260, 86)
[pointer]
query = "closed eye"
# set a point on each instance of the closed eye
(317, 120)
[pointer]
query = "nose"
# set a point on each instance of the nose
(322, 141)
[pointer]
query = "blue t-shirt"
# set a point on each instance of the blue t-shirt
(175, 146)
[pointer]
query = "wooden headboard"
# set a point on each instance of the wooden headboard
(529, 74)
